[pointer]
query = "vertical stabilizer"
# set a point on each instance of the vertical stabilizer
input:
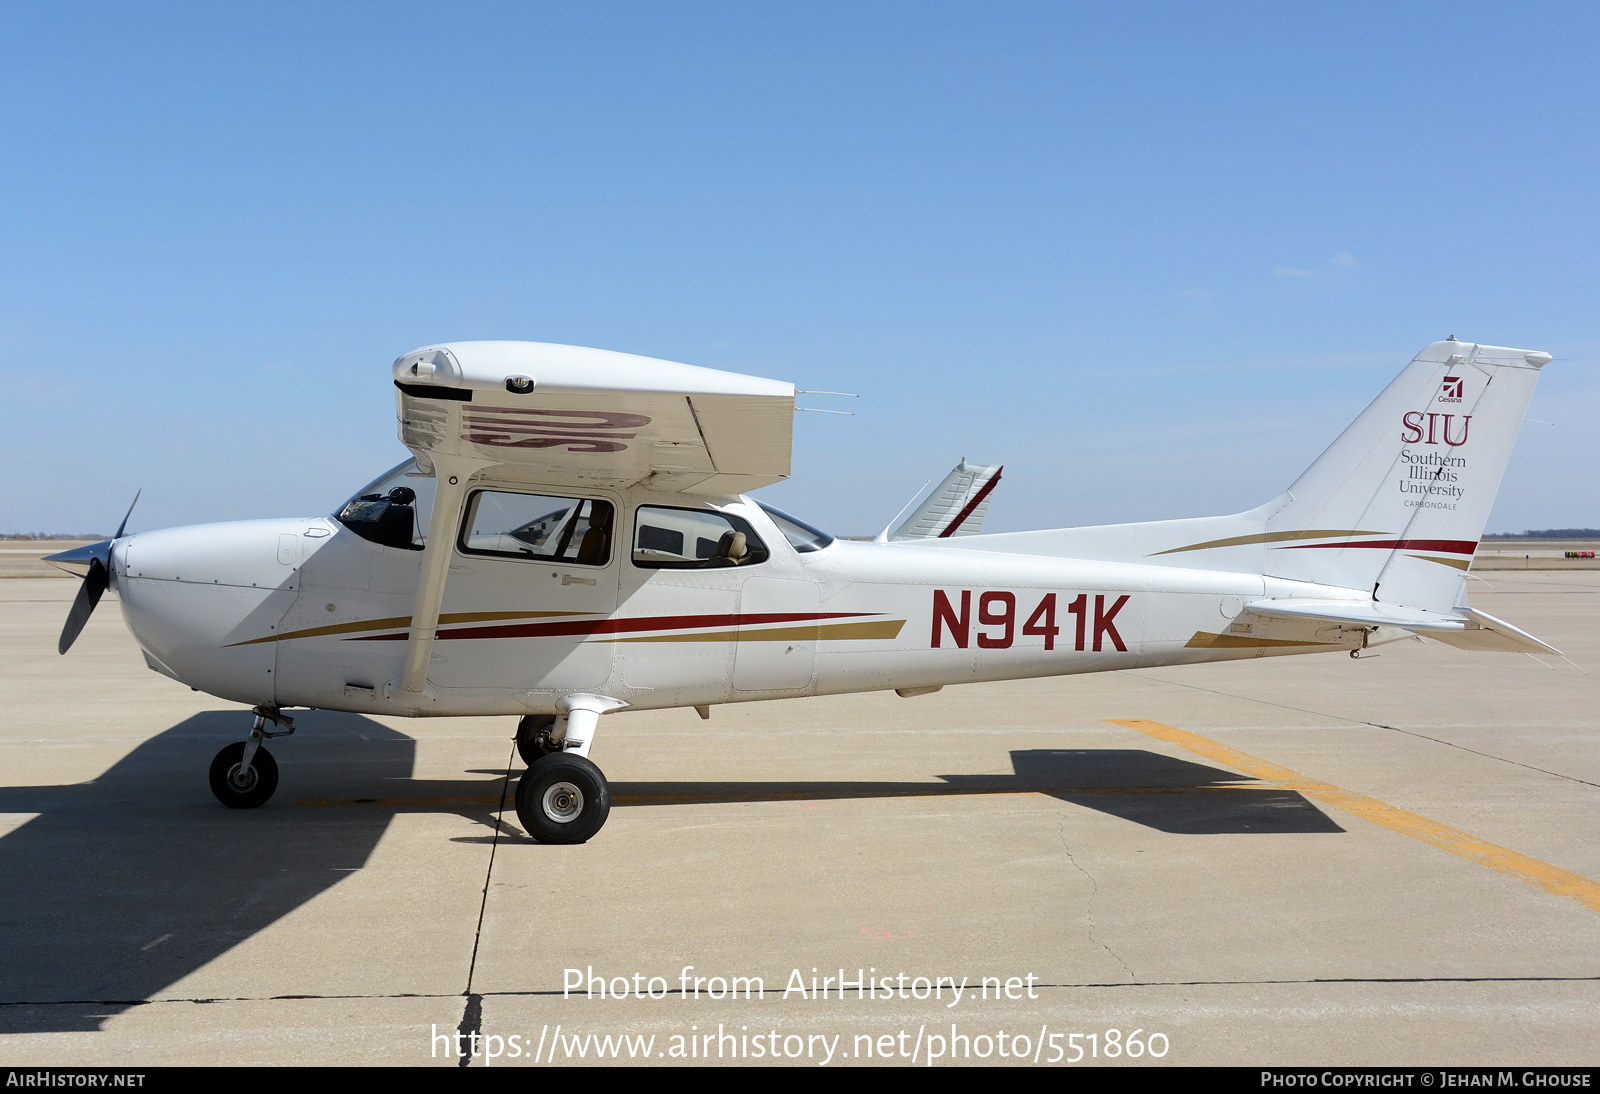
(957, 507)
(1397, 504)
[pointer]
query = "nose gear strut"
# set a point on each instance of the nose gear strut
(244, 775)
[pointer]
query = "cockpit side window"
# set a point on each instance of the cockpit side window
(538, 526)
(393, 509)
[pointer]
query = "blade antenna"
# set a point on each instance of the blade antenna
(883, 536)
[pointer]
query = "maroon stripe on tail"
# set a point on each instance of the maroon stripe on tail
(1449, 546)
(977, 499)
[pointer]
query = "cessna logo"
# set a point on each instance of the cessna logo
(1451, 392)
(574, 430)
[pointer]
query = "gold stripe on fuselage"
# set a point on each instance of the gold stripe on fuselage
(398, 622)
(1205, 640)
(1269, 537)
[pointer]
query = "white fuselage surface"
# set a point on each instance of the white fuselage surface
(307, 613)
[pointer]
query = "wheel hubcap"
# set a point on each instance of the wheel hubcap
(242, 779)
(562, 802)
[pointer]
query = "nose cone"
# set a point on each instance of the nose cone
(77, 560)
(205, 602)
(249, 554)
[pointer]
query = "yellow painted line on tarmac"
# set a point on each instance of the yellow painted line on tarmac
(1552, 879)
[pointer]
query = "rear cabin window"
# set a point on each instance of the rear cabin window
(801, 536)
(693, 539)
(538, 526)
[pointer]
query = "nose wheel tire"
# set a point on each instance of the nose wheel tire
(563, 799)
(533, 737)
(240, 787)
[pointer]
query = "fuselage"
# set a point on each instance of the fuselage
(305, 612)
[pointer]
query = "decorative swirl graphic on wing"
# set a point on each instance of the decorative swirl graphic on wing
(575, 430)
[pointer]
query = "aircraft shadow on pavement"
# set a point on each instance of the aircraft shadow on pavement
(1168, 794)
(1160, 792)
(122, 886)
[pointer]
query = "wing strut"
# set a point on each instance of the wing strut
(451, 474)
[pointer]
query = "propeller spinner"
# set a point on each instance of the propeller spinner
(93, 561)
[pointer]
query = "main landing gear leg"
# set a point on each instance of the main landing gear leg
(563, 797)
(244, 775)
(534, 737)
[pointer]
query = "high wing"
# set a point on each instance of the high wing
(957, 507)
(566, 415)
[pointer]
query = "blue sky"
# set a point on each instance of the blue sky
(1151, 257)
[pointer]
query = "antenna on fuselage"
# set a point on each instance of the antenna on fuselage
(883, 536)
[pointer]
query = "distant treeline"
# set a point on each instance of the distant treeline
(1549, 533)
(57, 535)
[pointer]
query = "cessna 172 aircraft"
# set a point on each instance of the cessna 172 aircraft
(571, 539)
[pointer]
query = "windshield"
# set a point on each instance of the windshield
(800, 535)
(393, 509)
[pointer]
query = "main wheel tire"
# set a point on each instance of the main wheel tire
(533, 737)
(243, 789)
(563, 799)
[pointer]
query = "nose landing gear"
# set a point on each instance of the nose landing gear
(244, 775)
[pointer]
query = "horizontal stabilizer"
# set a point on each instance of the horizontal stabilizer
(957, 507)
(1465, 628)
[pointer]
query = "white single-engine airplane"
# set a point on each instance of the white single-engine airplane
(570, 539)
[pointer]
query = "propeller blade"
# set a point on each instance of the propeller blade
(94, 584)
(123, 526)
(95, 580)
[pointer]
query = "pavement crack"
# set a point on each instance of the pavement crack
(1364, 722)
(1094, 890)
(1485, 755)
(472, 1017)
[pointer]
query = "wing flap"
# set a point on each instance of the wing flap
(749, 438)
